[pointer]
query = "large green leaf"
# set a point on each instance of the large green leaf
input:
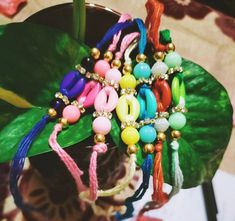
(33, 61)
(32, 68)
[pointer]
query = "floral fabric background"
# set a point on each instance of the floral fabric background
(200, 33)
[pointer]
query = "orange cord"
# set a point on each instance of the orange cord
(154, 12)
(159, 197)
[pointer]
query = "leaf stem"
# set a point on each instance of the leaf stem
(79, 20)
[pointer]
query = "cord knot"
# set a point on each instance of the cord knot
(100, 148)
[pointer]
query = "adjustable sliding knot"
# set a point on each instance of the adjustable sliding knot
(100, 148)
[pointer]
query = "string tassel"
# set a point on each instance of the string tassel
(18, 162)
(177, 175)
(158, 196)
(139, 193)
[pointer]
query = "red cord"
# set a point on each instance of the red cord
(154, 12)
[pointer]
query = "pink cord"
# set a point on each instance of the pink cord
(113, 46)
(125, 43)
(68, 161)
(98, 148)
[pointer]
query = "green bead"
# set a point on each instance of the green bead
(142, 70)
(177, 121)
(173, 59)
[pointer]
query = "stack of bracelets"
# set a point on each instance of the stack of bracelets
(149, 110)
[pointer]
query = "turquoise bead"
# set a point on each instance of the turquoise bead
(177, 121)
(147, 134)
(173, 59)
(142, 70)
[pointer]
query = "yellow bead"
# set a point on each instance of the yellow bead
(127, 69)
(175, 134)
(64, 122)
(128, 81)
(95, 53)
(159, 55)
(149, 148)
(116, 64)
(128, 108)
(99, 138)
(132, 149)
(170, 47)
(52, 113)
(130, 136)
(140, 58)
(108, 55)
(161, 136)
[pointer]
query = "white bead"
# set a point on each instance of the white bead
(161, 124)
(159, 68)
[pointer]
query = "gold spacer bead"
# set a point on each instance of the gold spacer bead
(159, 55)
(170, 47)
(52, 113)
(99, 138)
(108, 56)
(127, 69)
(132, 149)
(149, 148)
(116, 64)
(95, 53)
(140, 58)
(175, 134)
(161, 136)
(64, 122)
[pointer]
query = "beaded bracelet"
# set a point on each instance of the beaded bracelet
(177, 121)
(72, 85)
(162, 93)
(115, 190)
(114, 75)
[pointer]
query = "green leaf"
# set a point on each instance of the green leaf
(33, 61)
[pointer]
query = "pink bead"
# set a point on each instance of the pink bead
(101, 67)
(71, 113)
(113, 75)
(101, 125)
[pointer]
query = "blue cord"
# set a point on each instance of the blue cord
(19, 159)
(143, 35)
(112, 31)
(139, 193)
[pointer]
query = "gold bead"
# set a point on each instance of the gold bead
(132, 149)
(116, 64)
(108, 56)
(170, 47)
(127, 69)
(99, 138)
(64, 122)
(140, 58)
(159, 55)
(149, 148)
(161, 136)
(52, 113)
(175, 134)
(95, 53)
